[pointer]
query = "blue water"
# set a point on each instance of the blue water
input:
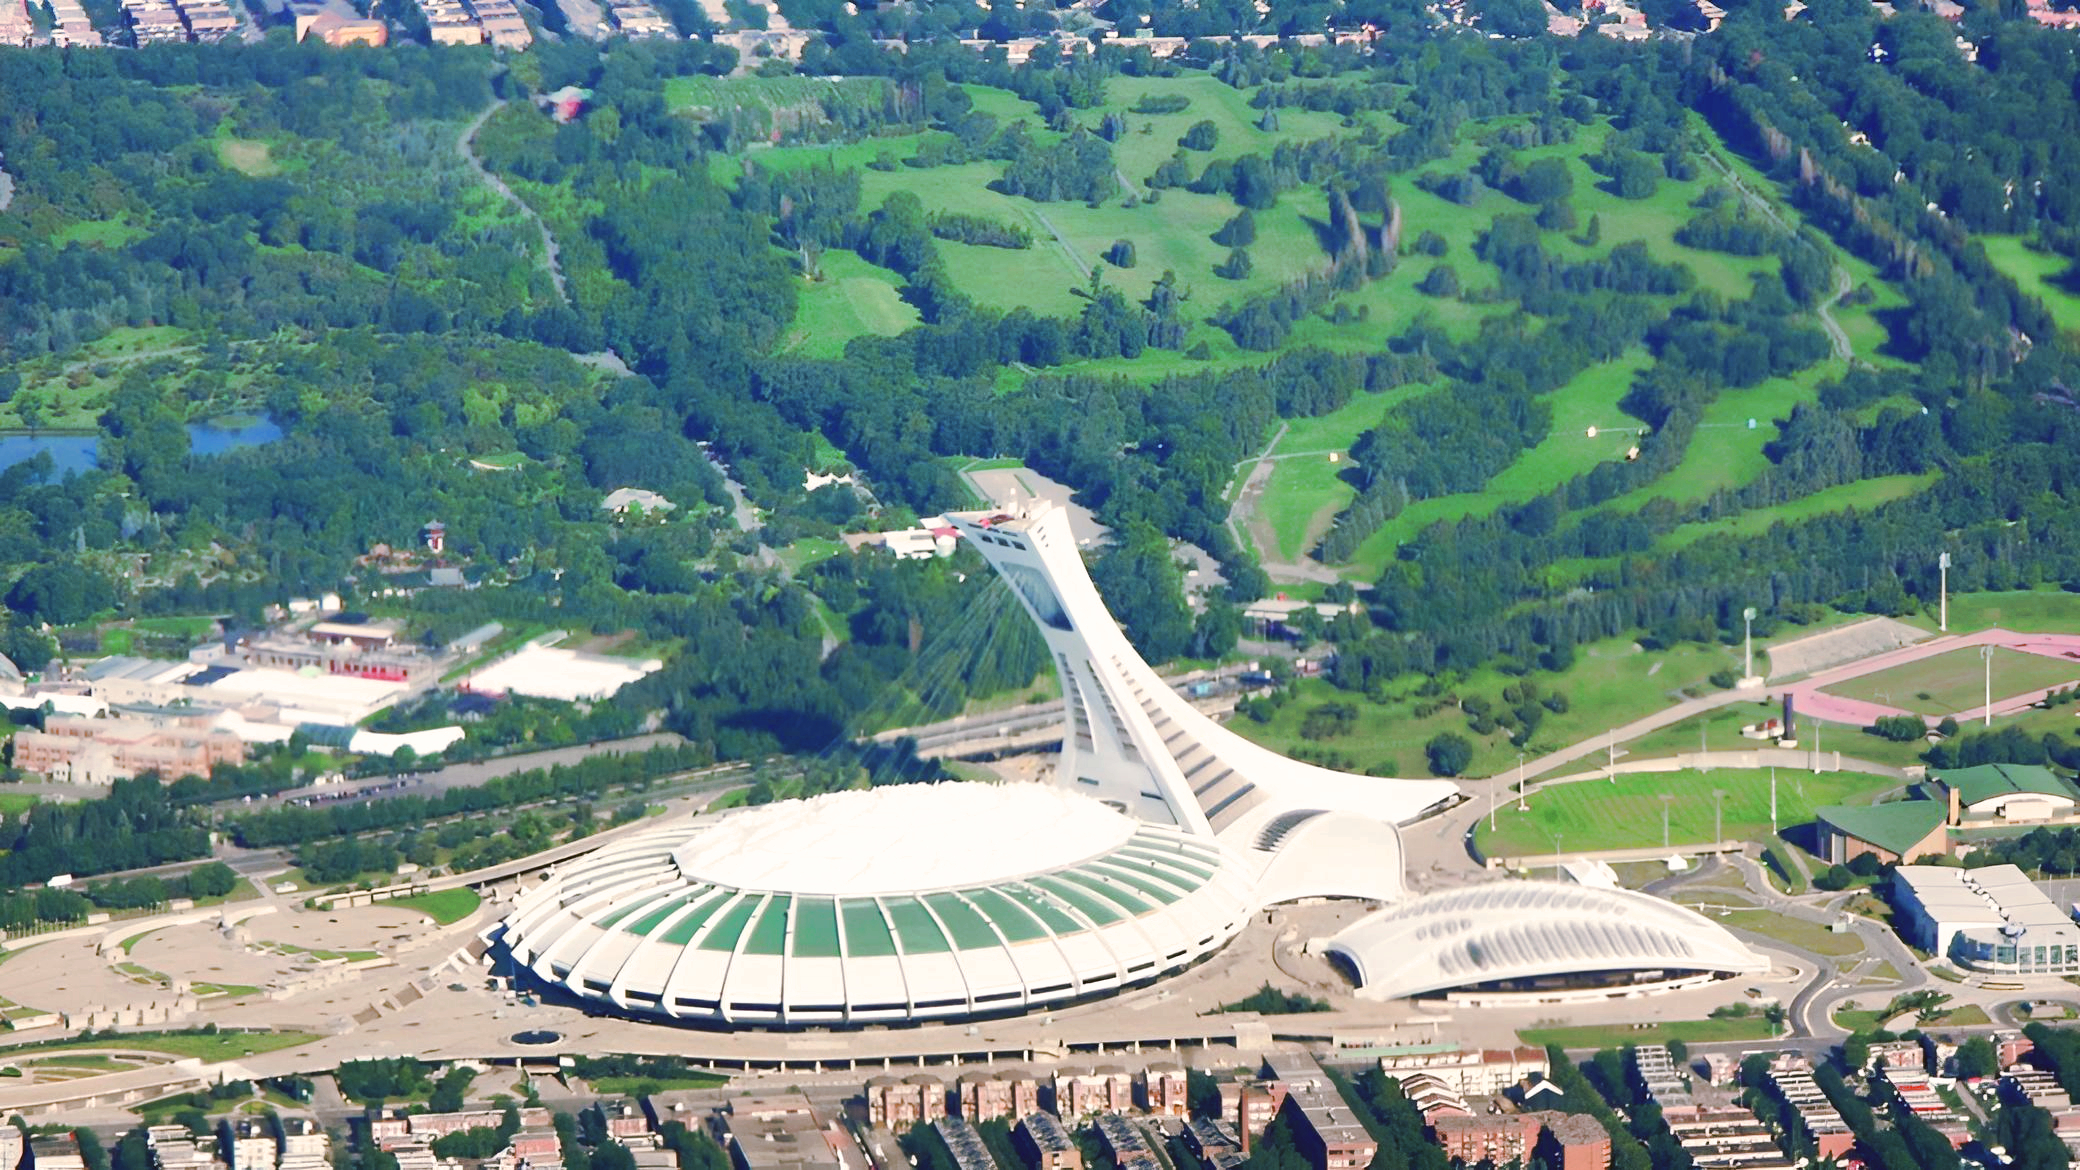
(76, 452)
(69, 452)
(208, 437)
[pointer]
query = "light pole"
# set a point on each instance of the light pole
(1748, 640)
(1986, 652)
(1718, 815)
(1559, 862)
(1520, 771)
(1667, 798)
(1494, 795)
(1773, 800)
(1943, 592)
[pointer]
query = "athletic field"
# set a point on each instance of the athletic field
(1626, 814)
(1946, 684)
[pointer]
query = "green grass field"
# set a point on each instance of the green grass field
(1601, 1036)
(1590, 400)
(1956, 681)
(2038, 274)
(1305, 489)
(642, 1086)
(1798, 932)
(1609, 684)
(1626, 814)
(247, 157)
(444, 906)
(1862, 495)
(854, 298)
(2043, 611)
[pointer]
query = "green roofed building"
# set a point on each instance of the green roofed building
(1897, 833)
(2007, 794)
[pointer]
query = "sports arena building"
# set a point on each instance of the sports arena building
(1162, 833)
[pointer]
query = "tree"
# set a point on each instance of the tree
(1202, 136)
(1544, 181)
(1145, 592)
(61, 593)
(211, 880)
(448, 1093)
(1976, 1058)
(1440, 281)
(1236, 267)
(1239, 232)
(1120, 254)
(134, 1151)
(91, 1150)
(1448, 754)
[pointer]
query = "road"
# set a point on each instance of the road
(1247, 526)
(1068, 249)
(464, 775)
(465, 148)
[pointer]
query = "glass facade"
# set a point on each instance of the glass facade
(2021, 955)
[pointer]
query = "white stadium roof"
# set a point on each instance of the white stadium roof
(906, 838)
(1508, 932)
(908, 902)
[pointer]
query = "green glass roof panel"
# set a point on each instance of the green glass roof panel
(1046, 907)
(1121, 872)
(681, 932)
(866, 932)
(816, 928)
(662, 911)
(1114, 891)
(1097, 909)
(1172, 860)
(1015, 921)
(769, 936)
(914, 926)
(730, 927)
(969, 929)
(631, 906)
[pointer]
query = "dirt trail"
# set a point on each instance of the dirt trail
(1837, 337)
(464, 147)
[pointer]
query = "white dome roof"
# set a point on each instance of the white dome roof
(904, 839)
(1514, 930)
(910, 902)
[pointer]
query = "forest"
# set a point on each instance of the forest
(423, 357)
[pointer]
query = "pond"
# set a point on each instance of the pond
(75, 452)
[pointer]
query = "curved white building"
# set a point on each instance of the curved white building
(1538, 938)
(1162, 834)
(911, 902)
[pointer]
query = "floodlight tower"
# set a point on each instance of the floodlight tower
(1748, 678)
(1986, 652)
(1943, 593)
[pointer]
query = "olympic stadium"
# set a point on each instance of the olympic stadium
(1161, 834)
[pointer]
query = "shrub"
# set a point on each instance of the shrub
(1202, 136)
(1440, 281)
(1448, 754)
